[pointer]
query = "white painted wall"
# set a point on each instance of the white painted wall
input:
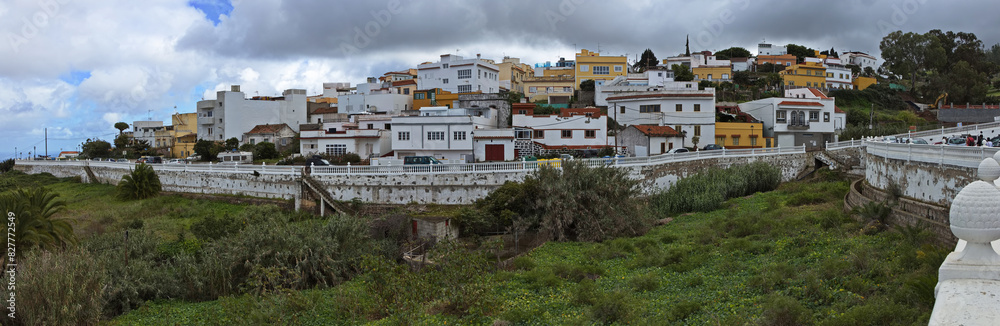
(232, 114)
(444, 74)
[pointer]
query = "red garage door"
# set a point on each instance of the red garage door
(494, 152)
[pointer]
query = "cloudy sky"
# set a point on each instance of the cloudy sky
(77, 66)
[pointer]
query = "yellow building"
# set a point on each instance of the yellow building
(806, 74)
(713, 73)
(513, 73)
(860, 83)
(555, 90)
(436, 97)
(593, 66)
(557, 72)
(185, 133)
(736, 135)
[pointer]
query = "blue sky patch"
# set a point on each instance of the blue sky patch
(212, 9)
(75, 77)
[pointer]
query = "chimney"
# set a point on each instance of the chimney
(236, 88)
(477, 55)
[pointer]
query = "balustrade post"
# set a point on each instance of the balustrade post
(909, 152)
(209, 166)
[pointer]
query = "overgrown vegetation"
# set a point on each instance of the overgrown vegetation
(6, 165)
(707, 190)
(30, 212)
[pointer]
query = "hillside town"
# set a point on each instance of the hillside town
(463, 110)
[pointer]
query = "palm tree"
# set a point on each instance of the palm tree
(31, 210)
(141, 183)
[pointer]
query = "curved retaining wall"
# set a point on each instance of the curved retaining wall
(927, 182)
(907, 211)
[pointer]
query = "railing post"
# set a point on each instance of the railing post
(209, 166)
(909, 152)
(941, 162)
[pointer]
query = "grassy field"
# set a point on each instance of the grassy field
(784, 257)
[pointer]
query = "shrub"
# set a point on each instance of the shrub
(645, 282)
(780, 310)
(6, 165)
(706, 190)
(140, 183)
(684, 309)
(60, 288)
(611, 308)
(211, 227)
(874, 214)
(264, 151)
(523, 263)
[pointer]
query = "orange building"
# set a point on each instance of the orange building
(784, 59)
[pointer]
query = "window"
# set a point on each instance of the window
(435, 135)
(679, 107)
(403, 135)
(809, 84)
(567, 134)
(590, 133)
(601, 70)
(697, 108)
(709, 77)
(539, 134)
(736, 141)
(780, 116)
(371, 126)
(753, 141)
(550, 89)
(208, 114)
(649, 108)
(406, 91)
(826, 116)
(388, 126)
(791, 83)
(618, 68)
(458, 135)
(622, 110)
(584, 67)
(284, 141)
(567, 89)
(813, 116)
(444, 81)
(721, 140)
(336, 149)
(697, 130)
(725, 76)
(522, 111)
(419, 96)
(464, 88)
(465, 74)
(532, 89)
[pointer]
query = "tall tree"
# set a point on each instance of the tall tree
(648, 59)
(800, 52)
(232, 144)
(682, 73)
(95, 148)
(733, 52)
(121, 126)
(965, 84)
(907, 54)
(687, 46)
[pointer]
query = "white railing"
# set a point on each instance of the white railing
(929, 135)
(191, 167)
(964, 156)
(844, 144)
(523, 166)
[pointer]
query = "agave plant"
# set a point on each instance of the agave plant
(32, 210)
(141, 183)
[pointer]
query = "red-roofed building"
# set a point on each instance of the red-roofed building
(805, 116)
(689, 110)
(280, 134)
(67, 155)
(645, 140)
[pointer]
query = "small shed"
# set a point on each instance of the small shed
(643, 140)
(438, 228)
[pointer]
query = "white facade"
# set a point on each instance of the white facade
(446, 134)
(336, 89)
(742, 64)
(367, 136)
(806, 118)
(838, 77)
(493, 145)
(566, 130)
(231, 114)
(620, 86)
(146, 130)
(691, 111)
(861, 59)
(374, 97)
(457, 75)
(695, 60)
(768, 49)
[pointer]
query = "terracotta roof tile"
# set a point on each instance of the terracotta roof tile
(657, 131)
(268, 129)
(799, 103)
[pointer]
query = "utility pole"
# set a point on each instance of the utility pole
(46, 143)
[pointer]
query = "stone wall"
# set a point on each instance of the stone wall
(906, 211)
(968, 115)
(926, 182)
(246, 184)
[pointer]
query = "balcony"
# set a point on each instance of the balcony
(798, 125)
(206, 120)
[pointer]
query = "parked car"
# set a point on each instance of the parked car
(711, 147)
(176, 161)
(957, 141)
(565, 157)
(317, 160)
(919, 141)
(412, 160)
(678, 150)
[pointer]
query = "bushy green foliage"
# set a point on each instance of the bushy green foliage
(33, 220)
(140, 183)
(6, 165)
(874, 214)
(264, 151)
(208, 150)
(59, 288)
(780, 310)
(707, 190)
(880, 95)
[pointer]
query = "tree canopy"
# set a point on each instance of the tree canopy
(906, 54)
(121, 126)
(733, 52)
(95, 148)
(682, 73)
(648, 59)
(800, 52)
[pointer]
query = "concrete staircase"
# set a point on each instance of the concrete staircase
(91, 177)
(326, 200)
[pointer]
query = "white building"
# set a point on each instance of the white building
(570, 129)
(446, 134)
(698, 59)
(374, 97)
(803, 117)
(457, 75)
(231, 114)
(281, 135)
(861, 59)
(838, 76)
(685, 110)
(623, 85)
(367, 136)
(146, 130)
(741, 64)
(768, 49)
(639, 140)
